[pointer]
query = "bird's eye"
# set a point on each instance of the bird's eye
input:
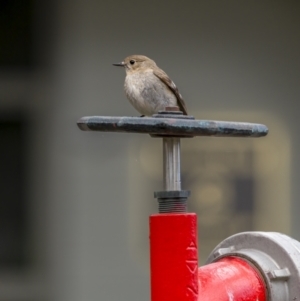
(131, 62)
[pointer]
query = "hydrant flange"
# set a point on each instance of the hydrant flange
(275, 255)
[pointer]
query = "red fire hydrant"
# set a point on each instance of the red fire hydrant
(249, 266)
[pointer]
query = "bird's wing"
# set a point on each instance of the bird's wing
(170, 84)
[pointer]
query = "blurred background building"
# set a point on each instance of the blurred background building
(74, 205)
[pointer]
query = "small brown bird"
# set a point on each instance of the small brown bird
(148, 88)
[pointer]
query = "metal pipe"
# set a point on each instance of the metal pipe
(171, 164)
(230, 278)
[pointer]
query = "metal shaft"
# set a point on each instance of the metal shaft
(171, 161)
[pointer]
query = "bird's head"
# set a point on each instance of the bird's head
(134, 63)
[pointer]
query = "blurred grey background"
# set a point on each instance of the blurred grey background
(74, 205)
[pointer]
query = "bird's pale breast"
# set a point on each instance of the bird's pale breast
(147, 93)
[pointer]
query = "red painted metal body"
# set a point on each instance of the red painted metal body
(174, 257)
(230, 278)
(175, 275)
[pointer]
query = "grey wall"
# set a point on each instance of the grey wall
(223, 55)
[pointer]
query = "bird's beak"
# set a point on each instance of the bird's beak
(121, 64)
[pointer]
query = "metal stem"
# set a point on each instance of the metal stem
(171, 161)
